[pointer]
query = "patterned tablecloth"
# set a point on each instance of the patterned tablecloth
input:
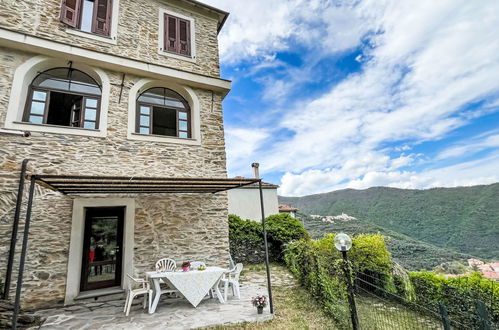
(194, 285)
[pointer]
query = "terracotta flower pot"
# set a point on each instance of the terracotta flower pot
(260, 309)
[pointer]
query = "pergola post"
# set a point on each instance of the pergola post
(22, 261)
(267, 265)
(15, 227)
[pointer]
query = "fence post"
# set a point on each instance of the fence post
(445, 316)
(483, 314)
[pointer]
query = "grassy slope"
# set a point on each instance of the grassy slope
(465, 219)
(410, 253)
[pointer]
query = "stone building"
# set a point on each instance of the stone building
(110, 88)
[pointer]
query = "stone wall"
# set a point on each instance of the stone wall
(137, 35)
(190, 226)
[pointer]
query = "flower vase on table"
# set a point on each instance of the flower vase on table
(186, 265)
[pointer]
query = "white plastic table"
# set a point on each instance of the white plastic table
(194, 285)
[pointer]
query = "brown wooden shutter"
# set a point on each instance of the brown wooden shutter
(184, 37)
(171, 39)
(70, 12)
(103, 11)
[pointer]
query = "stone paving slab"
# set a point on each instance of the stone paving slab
(170, 314)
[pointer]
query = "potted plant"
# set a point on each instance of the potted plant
(260, 301)
(186, 265)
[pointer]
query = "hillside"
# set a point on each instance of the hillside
(464, 219)
(410, 253)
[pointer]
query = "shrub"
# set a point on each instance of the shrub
(318, 266)
(246, 237)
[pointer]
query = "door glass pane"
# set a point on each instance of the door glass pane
(36, 119)
(182, 115)
(39, 96)
(90, 114)
(144, 130)
(145, 110)
(182, 135)
(103, 248)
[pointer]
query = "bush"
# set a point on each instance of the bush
(318, 266)
(459, 294)
(246, 237)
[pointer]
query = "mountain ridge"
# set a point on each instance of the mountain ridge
(464, 219)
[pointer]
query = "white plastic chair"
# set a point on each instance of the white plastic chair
(144, 289)
(197, 264)
(167, 264)
(232, 278)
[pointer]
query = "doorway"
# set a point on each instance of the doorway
(102, 255)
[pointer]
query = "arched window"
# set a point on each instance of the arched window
(64, 97)
(161, 111)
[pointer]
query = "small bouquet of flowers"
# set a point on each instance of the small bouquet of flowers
(186, 265)
(260, 301)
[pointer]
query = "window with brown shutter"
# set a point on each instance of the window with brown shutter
(177, 35)
(93, 16)
(70, 12)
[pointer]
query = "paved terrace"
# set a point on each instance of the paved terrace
(170, 314)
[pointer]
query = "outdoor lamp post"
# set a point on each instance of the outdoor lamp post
(343, 243)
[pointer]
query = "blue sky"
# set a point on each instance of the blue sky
(329, 95)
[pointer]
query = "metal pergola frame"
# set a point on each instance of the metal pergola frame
(77, 185)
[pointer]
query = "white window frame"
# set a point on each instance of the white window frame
(23, 77)
(113, 33)
(186, 92)
(161, 35)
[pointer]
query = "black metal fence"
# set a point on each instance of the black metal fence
(378, 307)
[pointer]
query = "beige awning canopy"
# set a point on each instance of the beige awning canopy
(78, 184)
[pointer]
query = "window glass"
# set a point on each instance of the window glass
(37, 108)
(89, 125)
(182, 115)
(39, 96)
(91, 103)
(90, 114)
(182, 125)
(86, 16)
(144, 121)
(36, 119)
(144, 130)
(145, 110)
(182, 135)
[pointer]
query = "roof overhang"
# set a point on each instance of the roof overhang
(222, 15)
(79, 184)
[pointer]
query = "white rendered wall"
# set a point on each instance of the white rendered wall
(245, 203)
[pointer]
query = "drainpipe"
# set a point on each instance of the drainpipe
(12, 132)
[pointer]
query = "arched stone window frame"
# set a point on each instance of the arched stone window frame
(186, 92)
(19, 93)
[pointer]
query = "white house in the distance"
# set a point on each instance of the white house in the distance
(288, 209)
(245, 201)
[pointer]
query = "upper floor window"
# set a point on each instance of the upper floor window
(92, 16)
(161, 111)
(177, 35)
(63, 97)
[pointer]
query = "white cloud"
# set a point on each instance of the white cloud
(426, 61)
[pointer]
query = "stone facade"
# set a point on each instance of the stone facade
(181, 226)
(137, 34)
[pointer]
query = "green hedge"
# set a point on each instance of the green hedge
(459, 294)
(246, 237)
(318, 266)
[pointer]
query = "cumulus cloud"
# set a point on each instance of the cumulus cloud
(422, 64)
